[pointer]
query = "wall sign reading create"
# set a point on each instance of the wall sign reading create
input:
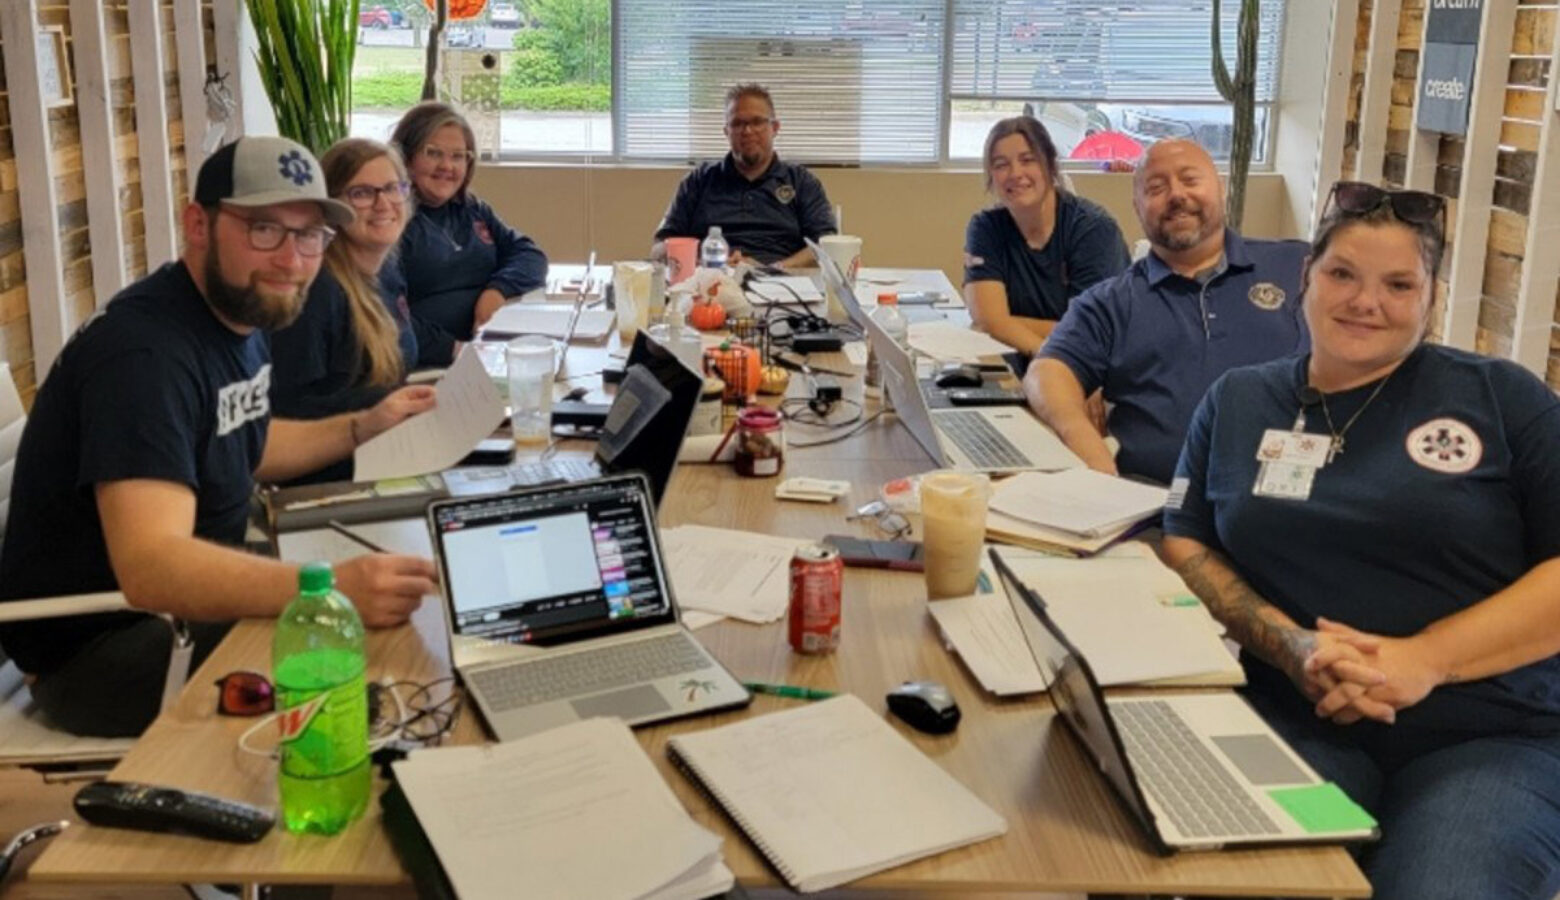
(1446, 76)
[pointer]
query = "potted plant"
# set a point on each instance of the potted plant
(305, 50)
(1241, 91)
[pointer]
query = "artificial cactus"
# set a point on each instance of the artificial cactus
(1241, 92)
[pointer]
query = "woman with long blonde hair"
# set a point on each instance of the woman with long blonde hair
(354, 342)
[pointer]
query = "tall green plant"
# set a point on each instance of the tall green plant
(305, 50)
(1241, 92)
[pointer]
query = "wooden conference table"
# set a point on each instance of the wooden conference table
(1067, 832)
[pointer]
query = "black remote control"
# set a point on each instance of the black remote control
(144, 807)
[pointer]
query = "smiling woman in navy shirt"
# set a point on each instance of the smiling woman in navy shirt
(353, 342)
(459, 259)
(1026, 258)
(1377, 523)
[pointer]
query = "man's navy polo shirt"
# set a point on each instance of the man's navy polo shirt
(1155, 340)
(765, 218)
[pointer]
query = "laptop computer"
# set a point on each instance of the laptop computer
(559, 607)
(1002, 439)
(1197, 771)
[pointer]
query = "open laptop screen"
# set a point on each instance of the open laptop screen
(1073, 689)
(551, 564)
(650, 414)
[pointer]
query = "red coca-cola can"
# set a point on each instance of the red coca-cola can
(817, 576)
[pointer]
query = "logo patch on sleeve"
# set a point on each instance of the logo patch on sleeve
(1177, 496)
(1445, 445)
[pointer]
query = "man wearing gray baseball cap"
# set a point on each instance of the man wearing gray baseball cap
(137, 464)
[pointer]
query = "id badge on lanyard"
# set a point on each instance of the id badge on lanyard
(1288, 461)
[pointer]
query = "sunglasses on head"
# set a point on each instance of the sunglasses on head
(245, 694)
(1415, 207)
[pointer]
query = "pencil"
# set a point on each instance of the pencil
(356, 538)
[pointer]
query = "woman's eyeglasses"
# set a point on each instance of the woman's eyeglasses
(437, 155)
(1415, 207)
(364, 196)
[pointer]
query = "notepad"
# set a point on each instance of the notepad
(829, 792)
(1079, 501)
(578, 811)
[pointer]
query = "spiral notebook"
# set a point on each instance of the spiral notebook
(829, 792)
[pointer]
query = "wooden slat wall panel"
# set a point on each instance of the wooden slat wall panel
(71, 186)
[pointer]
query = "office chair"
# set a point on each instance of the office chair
(26, 736)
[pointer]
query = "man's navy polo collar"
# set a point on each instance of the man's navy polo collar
(1235, 257)
(775, 169)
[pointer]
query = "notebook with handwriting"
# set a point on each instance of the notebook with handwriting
(830, 792)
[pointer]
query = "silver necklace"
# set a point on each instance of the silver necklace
(448, 237)
(1336, 446)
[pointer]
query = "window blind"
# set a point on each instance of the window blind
(1145, 51)
(853, 82)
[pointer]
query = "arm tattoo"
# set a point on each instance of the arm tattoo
(1253, 622)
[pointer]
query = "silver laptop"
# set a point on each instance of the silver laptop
(559, 608)
(1198, 771)
(984, 439)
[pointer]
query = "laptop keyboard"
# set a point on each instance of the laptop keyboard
(530, 474)
(979, 440)
(1182, 775)
(589, 671)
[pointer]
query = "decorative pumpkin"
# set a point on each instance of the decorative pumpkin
(739, 366)
(774, 381)
(706, 315)
(460, 9)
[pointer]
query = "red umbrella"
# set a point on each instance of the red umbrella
(1107, 145)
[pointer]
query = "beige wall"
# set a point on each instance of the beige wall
(906, 217)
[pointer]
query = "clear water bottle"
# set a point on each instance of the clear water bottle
(318, 664)
(714, 252)
(892, 321)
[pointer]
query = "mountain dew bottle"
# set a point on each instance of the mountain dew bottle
(318, 664)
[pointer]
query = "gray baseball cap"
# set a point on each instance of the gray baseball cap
(261, 170)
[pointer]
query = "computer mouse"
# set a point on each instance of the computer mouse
(925, 706)
(958, 375)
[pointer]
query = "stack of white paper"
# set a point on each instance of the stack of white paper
(578, 811)
(741, 574)
(951, 342)
(1133, 618)
(1079, 501)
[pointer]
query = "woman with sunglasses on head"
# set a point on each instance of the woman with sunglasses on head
(1042, 245)
(1377, 523)
(353, 343)
(460, 260)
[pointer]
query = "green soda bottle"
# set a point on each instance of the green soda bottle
(318, 662)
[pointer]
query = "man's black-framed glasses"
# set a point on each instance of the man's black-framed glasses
(1358, 198)
(756, 124)
(364, 196)
(266, 235)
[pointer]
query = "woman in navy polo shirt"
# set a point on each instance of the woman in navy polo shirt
(459, 259)
(1377, 523)
(1040, 247)
(353, 342)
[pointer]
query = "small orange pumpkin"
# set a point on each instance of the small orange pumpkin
(707, 316)
(739, 366)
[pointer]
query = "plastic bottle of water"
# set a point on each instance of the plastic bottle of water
(714, 252)
(892, 321)
(318, 664)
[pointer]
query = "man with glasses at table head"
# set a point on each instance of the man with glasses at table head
(138, 461)
(764, 206)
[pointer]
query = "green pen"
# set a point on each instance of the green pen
(787, 690)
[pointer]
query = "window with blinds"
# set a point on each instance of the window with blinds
(1139, 69)
(853, 82)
